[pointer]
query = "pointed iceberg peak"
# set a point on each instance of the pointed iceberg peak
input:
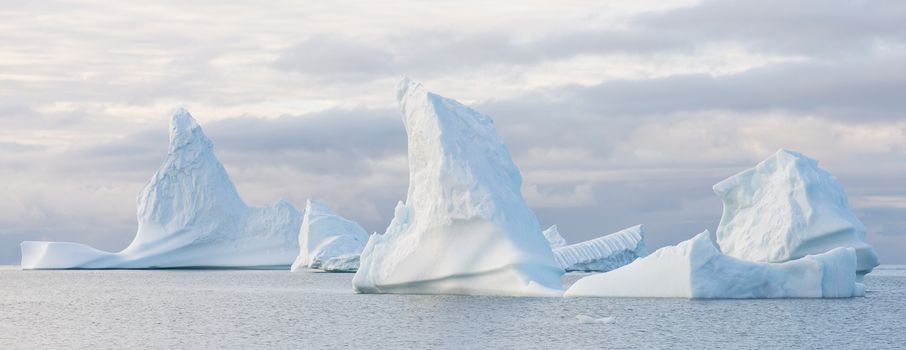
(407, 86)
(786, 157)
(185, 130)
(552, 234)
(314, 206)
(789, 153)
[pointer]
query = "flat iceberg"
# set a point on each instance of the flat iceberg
(465, 227)
(786, 208)
(603, 253)
(189, 215)
(553, 237)
(696, 269)
(328, 241)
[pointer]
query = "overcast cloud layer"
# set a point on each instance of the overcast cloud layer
(618, 113)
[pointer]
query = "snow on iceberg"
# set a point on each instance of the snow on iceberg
(786, 208)
(465, 227)
(189, 215)
(603, 253)
(696, 269)
(553, 237)
(328, 241)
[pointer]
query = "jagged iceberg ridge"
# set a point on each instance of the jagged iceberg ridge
(786, 208)
(328, 241)
(553, 237)
(189, 215)
(603, 253)
(465, 227)
(696, 269)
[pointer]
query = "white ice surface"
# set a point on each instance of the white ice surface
(465, 227)
(786, 208)
(603, 253)
(189, 215)
(583, 319)
(328, 241)
(696, 269)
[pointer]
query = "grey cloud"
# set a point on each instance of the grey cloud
(810, 27)
(427, 54)
(363, 131)
(326, 54)
(865, 88)
(671, 208)
(337, 141)
(20, 147)
(824, 30)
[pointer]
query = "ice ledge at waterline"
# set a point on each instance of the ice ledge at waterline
(696, 269)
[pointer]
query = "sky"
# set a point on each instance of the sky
(617, 113)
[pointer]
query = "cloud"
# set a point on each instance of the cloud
(812, 27)
(821, 30)
(865, 88)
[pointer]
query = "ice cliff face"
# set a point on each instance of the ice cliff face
(786, 208)
(328, 241)
(465, 227)
(189, 215)
(603, 253)
(696, 269)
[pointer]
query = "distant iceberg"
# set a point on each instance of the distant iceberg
(603, 253)
(696, 269)
(189, 215)
(786, 208)
(465, 227)
(328, 241)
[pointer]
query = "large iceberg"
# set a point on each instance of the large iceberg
(786, 208)
(696, 269)
(328, 241)
(603, 253)
(189, 215)
(465, 227)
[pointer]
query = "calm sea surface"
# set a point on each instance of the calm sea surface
(174, 309)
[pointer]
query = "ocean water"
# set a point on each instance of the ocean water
(216, 309)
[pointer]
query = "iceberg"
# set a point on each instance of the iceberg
(328, 241)
(342, 263)
(189, 215)
(786, 208)
(696, 269)
(603, 253)
(465, 227)
(553, 237)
